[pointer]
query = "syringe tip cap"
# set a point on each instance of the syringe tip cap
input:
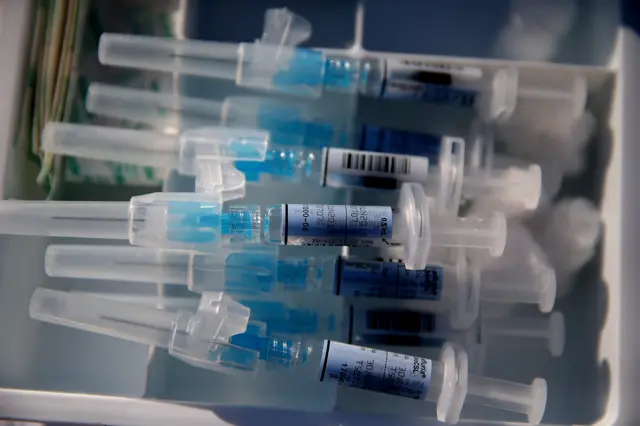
(539, 401)
(556, 334)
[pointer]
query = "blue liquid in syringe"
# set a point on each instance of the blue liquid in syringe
(202, 223)
(390, 78)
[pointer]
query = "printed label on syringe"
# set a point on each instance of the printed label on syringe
(431, 82)
(350, 167)
(427, 92)
(395, 327)
(429, 72)
(337, 225)
(394, 141)
(375, 370)
(391, 280)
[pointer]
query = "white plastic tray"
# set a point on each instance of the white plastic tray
(593, 383)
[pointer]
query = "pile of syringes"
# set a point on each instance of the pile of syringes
(418, 289)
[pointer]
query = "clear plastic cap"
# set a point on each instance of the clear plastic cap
(156, 149)
(548, 329)
(78, 219)
(287, 121)
(282, 27)
(419, 229)
(235, 270)
(285, 69)
(218, 318)
(166, 112)
(530, 400)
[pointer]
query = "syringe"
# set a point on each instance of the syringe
(306, 72)
(200, 221)
(396, 328)
(221, 337)
(307, 127)
(454, 289)
(516, 187)
(260, 273)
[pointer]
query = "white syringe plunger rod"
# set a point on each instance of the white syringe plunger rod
(519, 285)
(418, 229)
(530, 400)
(550, 328)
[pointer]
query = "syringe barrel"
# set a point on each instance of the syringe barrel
(78, 219)
(527, 399)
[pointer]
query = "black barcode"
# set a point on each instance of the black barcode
(404, 321)
(371, 162)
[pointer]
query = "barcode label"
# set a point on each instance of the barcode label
(376, 163)
(367, 167)
(400, 321)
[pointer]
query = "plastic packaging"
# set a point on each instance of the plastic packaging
(221, 337)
